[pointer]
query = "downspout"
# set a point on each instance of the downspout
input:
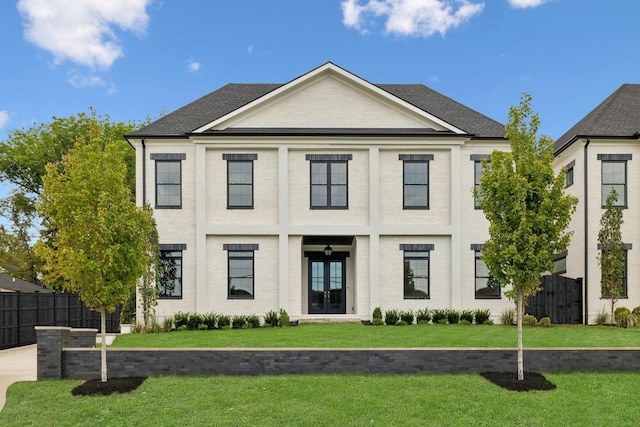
(586, 235)
(144, 174)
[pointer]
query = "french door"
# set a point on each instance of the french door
(327, 284)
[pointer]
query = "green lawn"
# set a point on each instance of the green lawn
(359, 336)
(594, 399)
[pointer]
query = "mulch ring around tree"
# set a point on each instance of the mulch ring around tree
(112, 385)
(509, 380)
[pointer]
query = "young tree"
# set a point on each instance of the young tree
(98, 245)
(148, 283)
(611, 257)
(527, 210)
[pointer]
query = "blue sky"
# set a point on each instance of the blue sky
(135, 58)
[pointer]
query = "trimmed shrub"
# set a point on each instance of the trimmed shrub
(210, 319)
(224, 321)
(464, 322)
(182, 328)
(407, 316)
(453, 316)
(194, 320)
(545, 322)
(401, 323)
(377, 322)
(529, 320)
(481, 316)
(203, 327)
(391, 317)
(636, 311)
(423, 316)
(508, 317)
(438, 315)
(271, 318)
(253, 321)
(467, 315)
(623, 317)
(181, 319)
(284, 318)
(377, 313)
(238, 321)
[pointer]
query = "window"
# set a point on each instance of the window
(614, 176)
(240, 184)
(240, 270)
(415, 180)
(486, 285)
(329, 181)
(623, 294)
(560, 263)
(416, 271)
(568, 178)
(170, 274)
(478, 170)
(168, 179)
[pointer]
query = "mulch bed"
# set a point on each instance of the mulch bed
(509, 380)
(113, 385)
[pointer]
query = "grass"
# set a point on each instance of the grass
(330, 400)
(359, 336)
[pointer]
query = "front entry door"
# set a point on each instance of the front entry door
(327, 286)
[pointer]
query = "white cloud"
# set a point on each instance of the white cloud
(82, 31)
(410, 17)
(250, 49)
(193, 66)
(523, 4)
(82, 81)
(4, 118)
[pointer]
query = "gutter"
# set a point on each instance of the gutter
(586, 235)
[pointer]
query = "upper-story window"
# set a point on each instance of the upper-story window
(568, 178)
(415, 180)
(239, 180)
(614, 176)
(329, 180)
(478, 170)
(168, 179)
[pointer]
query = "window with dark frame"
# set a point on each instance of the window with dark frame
(240, 184)
(329, 181)
(170, 274)
(560, 263)
(478, 170)
(614, 176)
(487, 287)
(416, 271)
(416, 184)
(568, 178)
(168, 183)
(240, 268)
(624, 293)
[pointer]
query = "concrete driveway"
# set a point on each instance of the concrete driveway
(17, 364)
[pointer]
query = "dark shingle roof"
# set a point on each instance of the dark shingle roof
(15, 284)
(616, 116)
(233, 96)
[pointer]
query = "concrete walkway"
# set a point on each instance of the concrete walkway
(16, 364)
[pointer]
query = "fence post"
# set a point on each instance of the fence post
(19, 329)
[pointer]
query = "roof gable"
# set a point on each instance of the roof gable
(404, 106)
(618, 116)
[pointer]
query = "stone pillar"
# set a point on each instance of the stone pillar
(82, 338)
(51, 340)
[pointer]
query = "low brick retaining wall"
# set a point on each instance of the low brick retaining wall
(84, 363)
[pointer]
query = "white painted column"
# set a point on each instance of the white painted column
(374, 224)
(456, 237)
(283, 229)
(201, 233)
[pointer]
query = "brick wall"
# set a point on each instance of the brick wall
(84, 363)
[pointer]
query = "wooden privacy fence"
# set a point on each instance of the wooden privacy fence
(559, 299)
(20, 312)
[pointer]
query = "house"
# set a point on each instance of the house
(600, 153)
(13, 284)
(326, 196)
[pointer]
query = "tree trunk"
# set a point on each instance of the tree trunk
(520, 355)
(103, 347)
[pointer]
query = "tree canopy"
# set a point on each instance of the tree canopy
(528, 212)
(98, 246)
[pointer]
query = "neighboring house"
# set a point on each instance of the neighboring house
(601, 152)
(13, 284)
(326, 196)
